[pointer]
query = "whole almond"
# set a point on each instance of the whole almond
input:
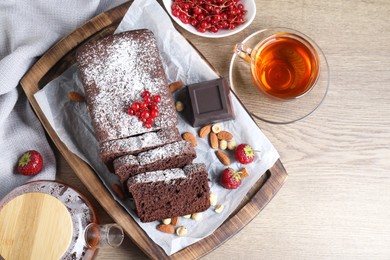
(175, 221)
(170, 229)
(173, 87)
(189, 137)
(225, 135)
(223, 158)
(213, 140)
(244, 173)
(204, 131)
(75, 96)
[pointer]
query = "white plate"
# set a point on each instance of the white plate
(249, 5)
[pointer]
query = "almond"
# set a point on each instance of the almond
(173, 87)
(189, 137)
(244, 173)
(175, 221)
(213, 140)
(170, 229)
(75, 96)
(118, 191)
(225, 135)
(223, 158)
(204, 131)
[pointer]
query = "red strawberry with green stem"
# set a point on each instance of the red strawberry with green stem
(230, 179)
(244, 153)
(30, 163)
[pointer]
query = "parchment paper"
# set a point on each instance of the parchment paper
(72, 123)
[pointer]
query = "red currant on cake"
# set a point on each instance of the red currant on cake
(135, 106)
(145, 94)
(157, 98)
(30, 163)
(154, 113)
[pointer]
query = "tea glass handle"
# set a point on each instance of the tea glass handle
(98, 236)
(243, 51)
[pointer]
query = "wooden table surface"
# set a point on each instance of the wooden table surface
(336, 202)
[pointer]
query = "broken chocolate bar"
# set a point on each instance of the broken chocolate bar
(209, 102)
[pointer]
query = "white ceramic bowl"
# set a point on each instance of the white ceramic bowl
(249, 5)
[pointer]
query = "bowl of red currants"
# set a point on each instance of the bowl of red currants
(212, 18)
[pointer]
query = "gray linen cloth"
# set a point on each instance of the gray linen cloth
(27, 30)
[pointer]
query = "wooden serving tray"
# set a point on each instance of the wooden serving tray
(60, 57)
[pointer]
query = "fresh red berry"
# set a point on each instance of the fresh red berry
(145, 94)
(130, 111)
(30, 163)
(145, 114)
(244, 153)
(154, 113)
(152, 107)
(135, 106)
(143, 105)
(146, 125)
(157, 98)
(147, 99)
(230, 179)
(149, 121)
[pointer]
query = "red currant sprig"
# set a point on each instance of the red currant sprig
(147, 110)
(210, 15)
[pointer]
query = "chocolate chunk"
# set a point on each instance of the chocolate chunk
(209, 102)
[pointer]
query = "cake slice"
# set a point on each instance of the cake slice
(170, 193)
(136, 144)
(115, 72)
(174, 155)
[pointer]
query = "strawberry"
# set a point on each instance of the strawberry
(30, 163)
(230, 179)
(244, 153)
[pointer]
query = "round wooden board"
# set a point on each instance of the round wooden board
(35, 226)
(55, 61)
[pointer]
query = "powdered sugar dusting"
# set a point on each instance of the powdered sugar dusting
(165, 151)
(170, 174)
(136, 144)
(164, 175)
(115, 71)
(154, 155)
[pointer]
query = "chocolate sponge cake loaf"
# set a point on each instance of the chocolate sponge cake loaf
(136, 144)
(168, 193)
(174, 155)
(135, 122)
(115, 72)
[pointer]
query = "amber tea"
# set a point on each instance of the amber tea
(284, 66)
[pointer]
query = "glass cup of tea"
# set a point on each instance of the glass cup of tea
(284, 65)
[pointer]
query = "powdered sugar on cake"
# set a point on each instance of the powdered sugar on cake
(137, 144)
(154, 155)
(115, 71)
(169, 174)
(164, 175)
